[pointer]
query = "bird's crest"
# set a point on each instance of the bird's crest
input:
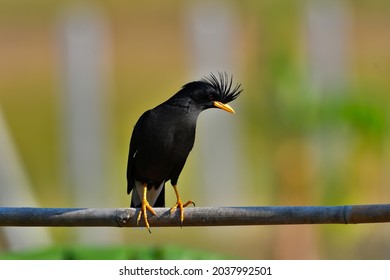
(223, 86)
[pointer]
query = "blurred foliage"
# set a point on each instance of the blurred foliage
(112, 253)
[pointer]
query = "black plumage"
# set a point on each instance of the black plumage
(164, 136)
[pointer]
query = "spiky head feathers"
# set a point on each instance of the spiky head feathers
(210, 89)
(222, 87)
(209, 92)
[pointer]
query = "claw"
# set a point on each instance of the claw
(181, 206)
(145, 206)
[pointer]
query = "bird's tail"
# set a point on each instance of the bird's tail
(155, 196)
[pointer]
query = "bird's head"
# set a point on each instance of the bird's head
(210, 92)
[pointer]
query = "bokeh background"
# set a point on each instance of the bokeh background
(311, 127)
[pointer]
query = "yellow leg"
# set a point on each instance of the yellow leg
(145, 205)
(180, 204)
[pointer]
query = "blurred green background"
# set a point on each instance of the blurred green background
(311, 127)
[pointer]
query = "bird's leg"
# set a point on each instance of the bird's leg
(145, 205)
(179, 203)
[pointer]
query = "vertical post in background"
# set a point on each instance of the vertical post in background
(327, 24)
(212, 27)
(328, 28)
(85, 57)
(15, 191)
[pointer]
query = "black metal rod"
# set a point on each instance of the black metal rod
(198, 216)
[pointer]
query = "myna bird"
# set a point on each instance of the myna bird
(163, 138)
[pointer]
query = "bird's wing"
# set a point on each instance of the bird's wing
(133, 150)
(130, 165)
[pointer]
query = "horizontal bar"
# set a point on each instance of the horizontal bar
(198, 216)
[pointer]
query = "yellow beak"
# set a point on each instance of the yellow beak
(225, 107)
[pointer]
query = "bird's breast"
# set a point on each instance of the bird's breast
(166, 139)
(162, 153)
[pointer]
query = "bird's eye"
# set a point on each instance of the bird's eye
(211, 97)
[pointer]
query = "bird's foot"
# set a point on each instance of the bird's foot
(145, 206)
(179, 204)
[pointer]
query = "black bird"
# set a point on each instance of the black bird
(163, 138)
